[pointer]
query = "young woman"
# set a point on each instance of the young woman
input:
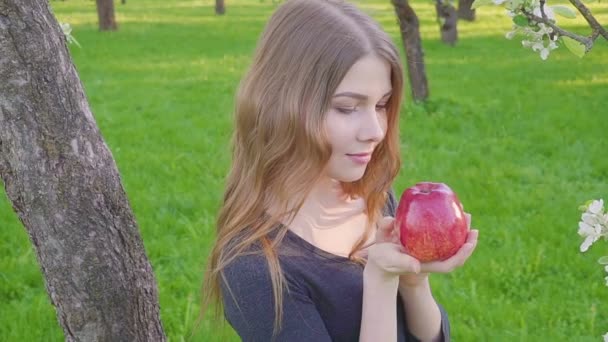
(306, 249)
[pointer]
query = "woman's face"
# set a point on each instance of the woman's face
(356, 121)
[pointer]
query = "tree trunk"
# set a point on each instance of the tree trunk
(448, 21)
(65, 188)
(105, 13)
(410, 35)
(465, 11)
(219, 7)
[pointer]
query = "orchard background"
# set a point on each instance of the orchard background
(522, 141)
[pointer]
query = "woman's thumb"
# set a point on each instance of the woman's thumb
(385, 229)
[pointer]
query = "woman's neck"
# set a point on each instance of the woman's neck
(327, 206)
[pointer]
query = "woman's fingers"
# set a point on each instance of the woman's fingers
(472, 236)
(392, 259)
(468, 218)
(406, 262)
(385, 230)
(457, 259)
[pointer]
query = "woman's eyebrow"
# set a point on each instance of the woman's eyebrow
(359, 96)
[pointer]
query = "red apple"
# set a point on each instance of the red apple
(431, 221)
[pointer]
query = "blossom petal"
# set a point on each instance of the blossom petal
(584, 229)
(596, 207)
(548, 12)
(589, 240)
(590, 219)
(597, 230)
(544, 53)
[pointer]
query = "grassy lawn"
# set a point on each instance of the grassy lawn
(523, 142)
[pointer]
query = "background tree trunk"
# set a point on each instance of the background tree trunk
(64, 185)
(410, 35)
(219, 7)
(465, 11)
(448, 21)
(105, 13)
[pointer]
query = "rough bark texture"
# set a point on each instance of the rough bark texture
(105, 13)
(448, 21)
(65, 188)
(410, 35)
(465, 12)
(219, 7)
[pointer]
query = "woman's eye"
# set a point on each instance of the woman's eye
(381, 107)
(344, 110)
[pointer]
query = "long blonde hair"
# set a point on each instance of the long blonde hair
(279, 147)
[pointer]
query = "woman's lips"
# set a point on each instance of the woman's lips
(360, 158)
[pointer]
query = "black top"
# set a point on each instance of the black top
(325, 297)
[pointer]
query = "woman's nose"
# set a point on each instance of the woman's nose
(373, 126)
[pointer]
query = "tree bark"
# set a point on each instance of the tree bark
(105, 13)
(220, 8)
(64, 186)
(448, 21)
(410, 35)
(465, 12)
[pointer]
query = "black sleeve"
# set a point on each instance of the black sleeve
(445, 324)
(390, 208)
(250, 307)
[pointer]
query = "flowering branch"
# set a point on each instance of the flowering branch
(538, 23)
(587, 41)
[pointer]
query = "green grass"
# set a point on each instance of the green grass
(523, 142)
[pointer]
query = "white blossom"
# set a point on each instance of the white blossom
(591, 233)
(593, 225)
(548, 12)
(544, 53)
(596, 207)
(544, 29)
(536, 39)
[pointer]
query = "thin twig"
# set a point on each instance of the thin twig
(542, 9)
(589, 17)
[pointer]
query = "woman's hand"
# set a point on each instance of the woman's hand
(388, 255)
